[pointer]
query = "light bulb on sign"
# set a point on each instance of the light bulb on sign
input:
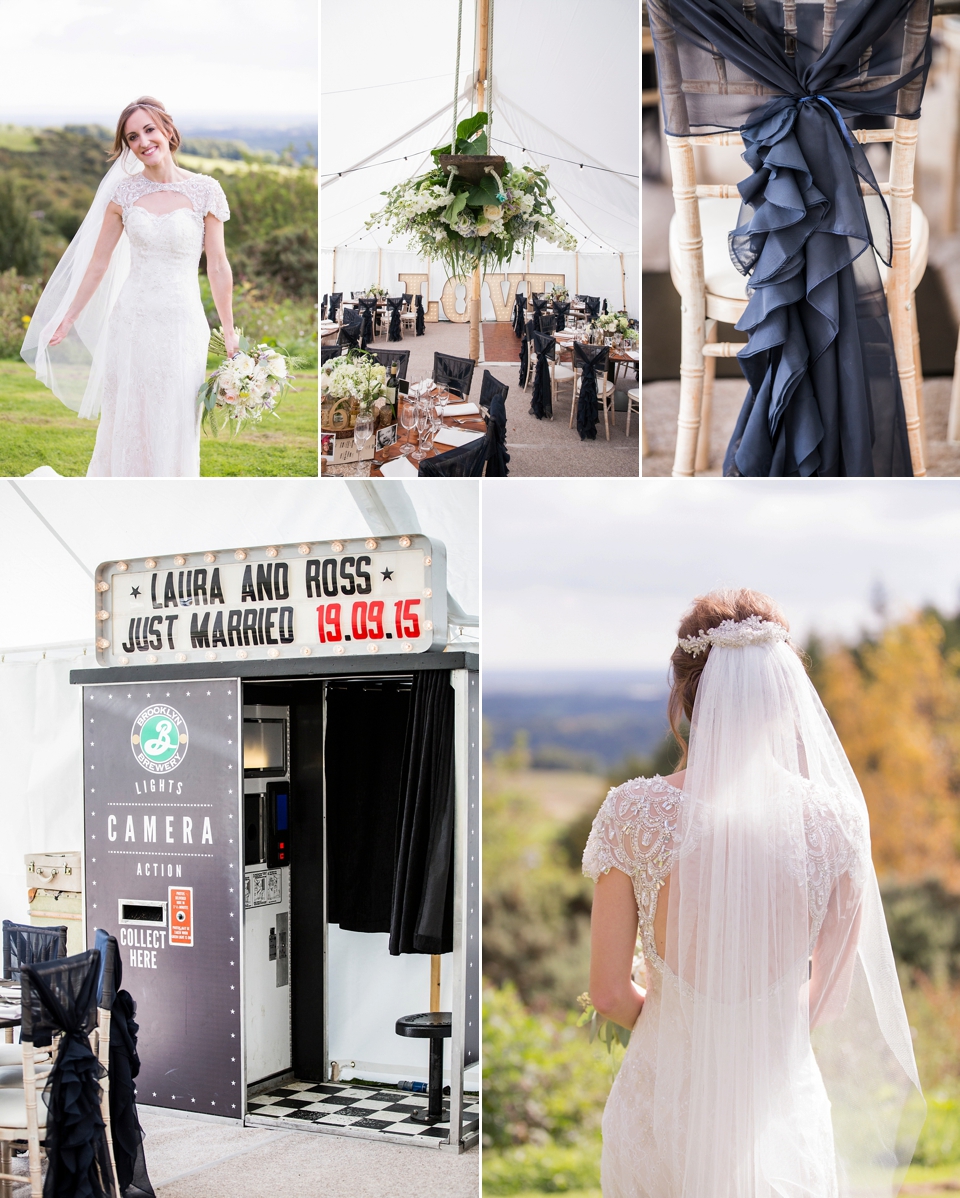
(241, 653)
(272, 551)
(152, 658)
(102, 643)
(305, 651)
(241, 555)
(103, 615)
(179, 560)
(405, 542)
(209, 557)
(428, 624)
(304, 549)
(370, 543)
(337, 546)
(428, 561)
(122, 566)
(407, 646)
(273, 653)
(340, 649)
(181, 657)
(103, 586)
(374, 648)
(210, 656)
(151, 563)
(428, 592)
(124, 661)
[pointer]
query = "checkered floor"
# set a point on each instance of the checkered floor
(329, 1107)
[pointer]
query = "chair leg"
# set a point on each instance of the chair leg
(6, 1186)
(706, 404)
(605, 409)
(644, 444)
(953, 420)
(573, 399)
(918, 366)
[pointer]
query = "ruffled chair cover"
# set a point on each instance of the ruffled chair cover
(329, 351)
(591, 304)
(519, 314)
(407, 299)
(493, 397)
(548, 323)
(387, 357)
(561, 312)
(588, 359)
(604, 308)
(394, 307)
(323, 308)
(351, 330)
(333, 305)
(368, 316)
(539, 303)
(541, 404)
(420, 317)
(456, 374)
(61, 996)
(24, 944)
(824, 393)
(525, 352)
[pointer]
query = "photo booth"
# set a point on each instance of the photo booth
(281, 813)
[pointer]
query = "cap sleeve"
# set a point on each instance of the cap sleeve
(217, 202)
(634, 830)
(605, 845)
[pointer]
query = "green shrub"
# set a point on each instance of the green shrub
(542, 1079)
(286, 258)
(18, 298)
(939, 1142)
(544, 1169)
(20, 246)
(269, 317)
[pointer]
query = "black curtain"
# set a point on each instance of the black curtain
(61, 996)
(366, 732)
(420, 318)
(824, 394)
(422, 916)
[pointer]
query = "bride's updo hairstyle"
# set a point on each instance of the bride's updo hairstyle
(159, 114)
(706, 612)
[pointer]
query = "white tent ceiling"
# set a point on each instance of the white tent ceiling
(565, 86)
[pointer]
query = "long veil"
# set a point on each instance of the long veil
(800, 1079)
(72, 369)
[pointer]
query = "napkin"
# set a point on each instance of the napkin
(635, 355)
(458, 409)
(398, 468)
(455, 437)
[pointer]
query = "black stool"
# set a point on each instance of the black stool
(434, 1026)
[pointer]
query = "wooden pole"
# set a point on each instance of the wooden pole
(483, 28)
(379, 262)
(576, 289)
(623, 283)
(434, 983)
(334, 287)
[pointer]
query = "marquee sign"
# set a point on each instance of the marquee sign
(324, 599)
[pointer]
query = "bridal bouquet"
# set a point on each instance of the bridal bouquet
(244, 388)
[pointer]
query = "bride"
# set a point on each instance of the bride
(770, 1055)
(120, 328)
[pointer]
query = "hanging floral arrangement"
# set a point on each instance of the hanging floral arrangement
(465, 224)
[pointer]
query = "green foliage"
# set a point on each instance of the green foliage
(18, 298)
(542, 1080)
(544, 1169)
(924, 925)
(270, 318)
(20, 247)
(536, 908)
(288, 258)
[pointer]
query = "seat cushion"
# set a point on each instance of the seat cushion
(11, 1054)
(718, 217)
(562, 372)
(13, 1109)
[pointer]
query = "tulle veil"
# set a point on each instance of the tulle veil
(71, 370)
(799, 1079)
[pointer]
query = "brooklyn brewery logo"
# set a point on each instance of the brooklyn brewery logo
(159, 738)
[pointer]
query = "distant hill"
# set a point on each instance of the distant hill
(576, 720)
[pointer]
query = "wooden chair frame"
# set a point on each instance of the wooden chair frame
(31, 1133)
(700, 311)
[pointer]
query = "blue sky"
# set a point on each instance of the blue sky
(594, 574)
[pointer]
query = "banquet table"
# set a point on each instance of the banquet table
(328, 328)
(473, 423)
(10, 1015)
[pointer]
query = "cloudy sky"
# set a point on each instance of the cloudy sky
(594, 574)
(82, 60)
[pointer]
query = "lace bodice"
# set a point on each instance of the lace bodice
(205, 196)
(639, 830)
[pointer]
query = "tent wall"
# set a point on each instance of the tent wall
(42, 804)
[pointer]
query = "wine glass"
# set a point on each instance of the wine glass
(442, 398)
(424, 409)
(408, 421)
(362, 434)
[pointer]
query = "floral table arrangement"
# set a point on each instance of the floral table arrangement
(349, 385)
(560, 294)
(615, 322)
(245, 388)
(466, 224)
(377, 293)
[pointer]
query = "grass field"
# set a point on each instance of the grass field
(37, 430)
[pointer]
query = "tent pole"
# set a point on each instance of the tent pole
(623, 283)
(483, 8)
(334, 287)
(576, 289)
(435, 983)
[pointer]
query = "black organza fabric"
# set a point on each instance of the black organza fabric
(539, 305)
(407, 299)
(541, 404)
(519, 314)
(329, 351)
(368, 316)
(393, 307)
(387, 357)
(824, 394)
(588, 359)
(125, 1130)
(351, 329)
(548, 323)
(420, 317)
(422, 917)
(336, 297)
(493, 397)
(591, 304)
(561, 312)
(61, 996)
(25, 945)
(323, 308)
(456, 374)
(466, 461)
(525, 352)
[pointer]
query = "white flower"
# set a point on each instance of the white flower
(243, 364)
(491, 211)
(483, 228)
(277, 365)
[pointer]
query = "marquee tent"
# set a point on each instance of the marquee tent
(564, 97)
(52, 540)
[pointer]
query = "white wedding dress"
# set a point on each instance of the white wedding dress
(638, 830)
(152, 359)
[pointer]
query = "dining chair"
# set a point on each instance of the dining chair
(591, 304)
(394, 307)
(633, 405)
(538, 306)
(465, 461)
(561, 312)
(368, 316)
(351, 330)
(333, 304)
(497, 456)
(595, 360)
(387, 357)
(421, 319)
(109, 951)
(456, 374)
(408, 317)
(713, 291)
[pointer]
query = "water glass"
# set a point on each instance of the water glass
(362, 435)
(408, 421)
